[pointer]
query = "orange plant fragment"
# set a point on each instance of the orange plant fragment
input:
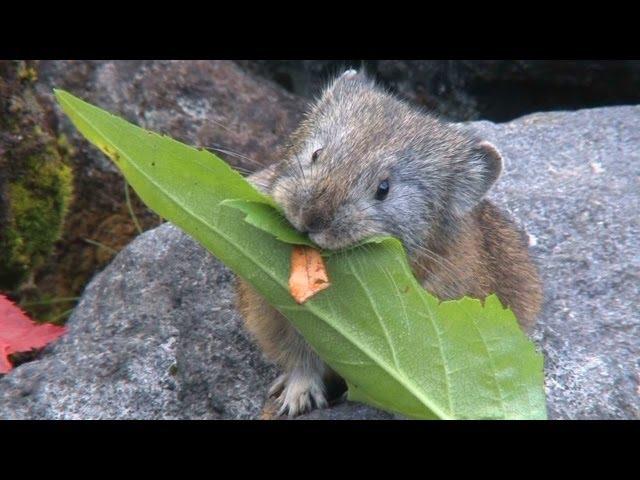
(308, 273)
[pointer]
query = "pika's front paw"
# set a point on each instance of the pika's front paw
(298, 392)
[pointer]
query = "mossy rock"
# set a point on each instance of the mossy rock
(37, 205)
(35, 183)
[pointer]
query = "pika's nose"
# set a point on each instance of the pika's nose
(314, 222)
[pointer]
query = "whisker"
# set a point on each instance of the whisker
(226, 151)
(446, 271)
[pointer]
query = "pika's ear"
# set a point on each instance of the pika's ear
(484, 166)
(352, 74)
(346, 79)
(492, 160)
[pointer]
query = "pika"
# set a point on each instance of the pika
(364, 163)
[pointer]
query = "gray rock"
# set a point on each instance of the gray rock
(348, 411)
(156, 335)
(573, 180)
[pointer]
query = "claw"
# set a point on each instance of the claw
(278, 385)
(299, 392)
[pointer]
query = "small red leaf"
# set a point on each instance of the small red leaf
(18, 333)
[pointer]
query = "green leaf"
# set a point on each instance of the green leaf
(270, 220)
(397, 346)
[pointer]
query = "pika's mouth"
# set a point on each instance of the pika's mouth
(329, 241)
(320, 227)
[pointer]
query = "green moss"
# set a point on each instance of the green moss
(38, 202)
(26, 72)
(65, 147)
(35, 192)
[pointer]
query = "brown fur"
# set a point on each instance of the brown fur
(488, 255)
(458, 244)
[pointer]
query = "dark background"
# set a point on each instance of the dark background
(497, 90)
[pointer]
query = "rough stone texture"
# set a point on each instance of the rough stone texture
(572, 179)
(349, 411)
(154, 336)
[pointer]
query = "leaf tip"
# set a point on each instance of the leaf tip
(60, 94)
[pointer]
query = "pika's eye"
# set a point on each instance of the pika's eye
(315, 155)
(383, 189)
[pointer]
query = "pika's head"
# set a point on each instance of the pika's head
(366, 163)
